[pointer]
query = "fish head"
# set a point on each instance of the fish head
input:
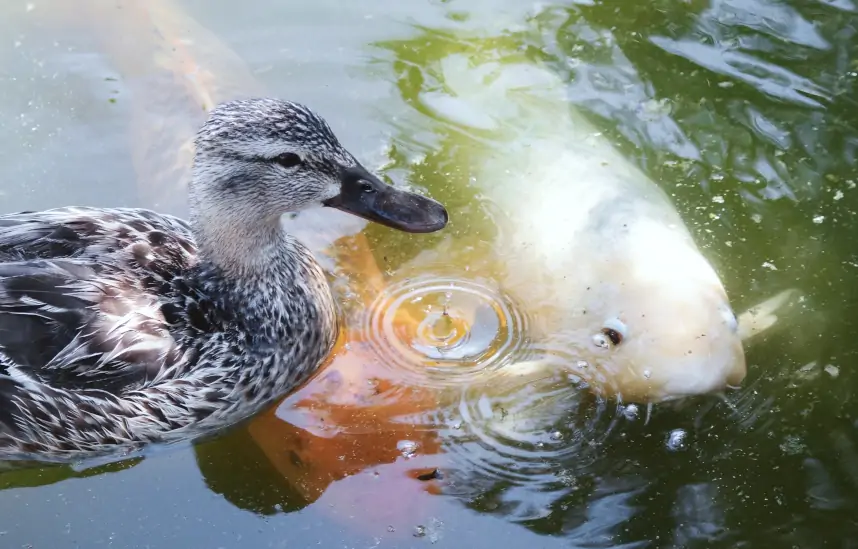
(654, 316)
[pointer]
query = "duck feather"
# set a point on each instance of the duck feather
(94, 303)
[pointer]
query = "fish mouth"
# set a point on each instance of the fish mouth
(366, 196)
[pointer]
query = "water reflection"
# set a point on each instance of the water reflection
(236, 467)
(357, 442)
(28, 475)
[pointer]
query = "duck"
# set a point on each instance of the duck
(122, 327)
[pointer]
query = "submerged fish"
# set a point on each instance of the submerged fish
(599, 260)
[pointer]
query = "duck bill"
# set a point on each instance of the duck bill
(364, 195)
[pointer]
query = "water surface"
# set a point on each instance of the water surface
(743, 111)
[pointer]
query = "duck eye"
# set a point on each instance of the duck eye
(288, 160)
(615, 336)
(367, 188)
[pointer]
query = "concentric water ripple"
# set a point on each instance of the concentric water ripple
(531, 419)
(444, 331)
(530, 440)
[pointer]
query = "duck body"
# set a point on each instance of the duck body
(123, 326)
(112, 331)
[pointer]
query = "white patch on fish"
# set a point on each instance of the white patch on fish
(594, 250)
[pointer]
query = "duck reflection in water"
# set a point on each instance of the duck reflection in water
(355, 438)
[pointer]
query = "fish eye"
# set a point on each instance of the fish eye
(615, 336)
(613, 331)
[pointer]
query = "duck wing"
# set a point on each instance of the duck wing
(91, 232)
(92, 299)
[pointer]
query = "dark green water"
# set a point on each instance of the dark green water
(745, 112)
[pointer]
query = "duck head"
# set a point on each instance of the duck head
(257, 159)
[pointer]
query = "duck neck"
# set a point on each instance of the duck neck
(261, 270)
(266, 280)
(238, 245)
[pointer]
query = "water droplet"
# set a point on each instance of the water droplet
(647, 374)
(676, 440)
(391, 528)
(792, 445)
(631, 412)
(818, 219)
(407, 448)
(567, 478)
(583, 364)
(556, 436)
(419, 531)
(600, 340)
(435, 530)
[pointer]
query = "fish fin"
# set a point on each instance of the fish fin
(762, 316)
(649, 408)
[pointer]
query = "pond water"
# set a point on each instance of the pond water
(744, 112)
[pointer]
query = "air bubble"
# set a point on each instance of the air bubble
(407, 448)
(631, 412)
(676, 440)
